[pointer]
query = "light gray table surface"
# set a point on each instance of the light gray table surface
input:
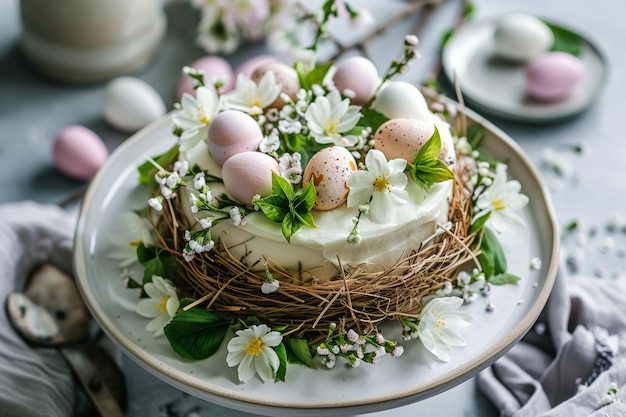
(33, 109)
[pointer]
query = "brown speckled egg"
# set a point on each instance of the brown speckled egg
(329, 170)
(286, 76)
(403, 137)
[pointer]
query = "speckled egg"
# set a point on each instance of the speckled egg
(250, 65)
(130, 104)
(403, 137)
(359, 75)
(519, 37)
(215, 69)
(232, 132)
(286, 76)
(247, 174)
(401, 99)
(329, 170)
(552, 76)
(78, 152)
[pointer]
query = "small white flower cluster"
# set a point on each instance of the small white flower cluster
(169, 183)
(611, 396)
(291, 167)
(198, 241)
(355, 348)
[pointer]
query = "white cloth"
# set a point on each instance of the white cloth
(578, 341)
(33, 381)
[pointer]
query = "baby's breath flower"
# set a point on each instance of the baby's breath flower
(156, 203)
(199, 181)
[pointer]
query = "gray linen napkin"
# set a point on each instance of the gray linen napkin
(569, 362)
(33, 382)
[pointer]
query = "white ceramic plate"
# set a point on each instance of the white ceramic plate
(341, 391)
(494, 87)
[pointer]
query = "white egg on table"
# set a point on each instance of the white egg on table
(329, 169)
(247, 174)
(403, 137)
(131, 103)
(553, 76)
(215, 68)
(519, 37)
(401, 99)
(78, 152)
(232, 132)
(358, 75)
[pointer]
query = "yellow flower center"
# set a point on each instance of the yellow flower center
(330, 125)
(134, 242)
(255, 347)
(441, 322)
(201, 116)
(161, 306)
(498, 204)
(381, 184)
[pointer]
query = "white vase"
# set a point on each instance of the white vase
(91, 40)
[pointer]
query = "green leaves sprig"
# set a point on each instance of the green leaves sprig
(286, 206)
(427, 169)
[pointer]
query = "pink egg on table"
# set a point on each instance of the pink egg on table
(232, 132)
(78, 152)
(358, 75)
(215, 68)
(553, 76)
(248, 66)
(247, 174)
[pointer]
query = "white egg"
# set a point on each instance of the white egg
(130, 104)
(400, 99)
(519, 37)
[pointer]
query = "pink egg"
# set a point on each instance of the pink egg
(403, 137)
(214, 67)
(284, 75)
(78, 152)
(359, 75)
(248, 174)
(553, 76)
(247, 67)
(232, 132)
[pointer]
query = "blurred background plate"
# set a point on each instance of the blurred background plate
(497, 88)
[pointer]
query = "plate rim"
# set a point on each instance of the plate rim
(236, 399)
(478, 105)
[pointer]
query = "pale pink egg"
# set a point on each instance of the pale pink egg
(215, 68)
(247, 174)
(329, 170)
(248, 66)
(284, 75)
(78, 152)
(232, 132)
(358, 75)
(553, 76)
(403, 137)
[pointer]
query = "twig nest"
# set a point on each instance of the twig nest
(247, 174)
(329, 170)
(358, 75)
(286, 76)
(403, 137)
(232, 132)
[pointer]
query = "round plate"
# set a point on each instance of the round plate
(321, 392)
(497, 88)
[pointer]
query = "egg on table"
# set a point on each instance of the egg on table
(250, 65)
(403, 137)
(232, 132)
(553, 76)
(78, 152)
(247, 174)
(520, 37)
(284, 75)
(130, 104)
(358, 75)
(329, 170)
(401, 99)
(215, 68)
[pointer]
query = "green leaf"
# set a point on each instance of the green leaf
(430, 150)
(147, 170)
(274, 207)
(426, 168)
(155, 261)
(475, 135)
(437, 172)
(305, 201)
(289, 226)
(479, 223)
(565, 40)
(506, 278)
(306, 219)
(311, 76)
(372, 118)
(196, 333)
(492, 258)
(298, 351)
(282, 368)
(281, 187)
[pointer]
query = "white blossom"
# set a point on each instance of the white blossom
(251, 350)
(195, 116)
(330, 118)
(161, 306)
(438, 324)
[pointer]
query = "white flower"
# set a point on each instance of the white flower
(195, 116)
(270, 143)
(384, 182)
(501, 199)
(235, 216)
(217, 32)
(329, 117)
(161, 306)
(269, 287)
(252, 98)
(252, 350)
(291, 167)
(133, 231)
(438, 324)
